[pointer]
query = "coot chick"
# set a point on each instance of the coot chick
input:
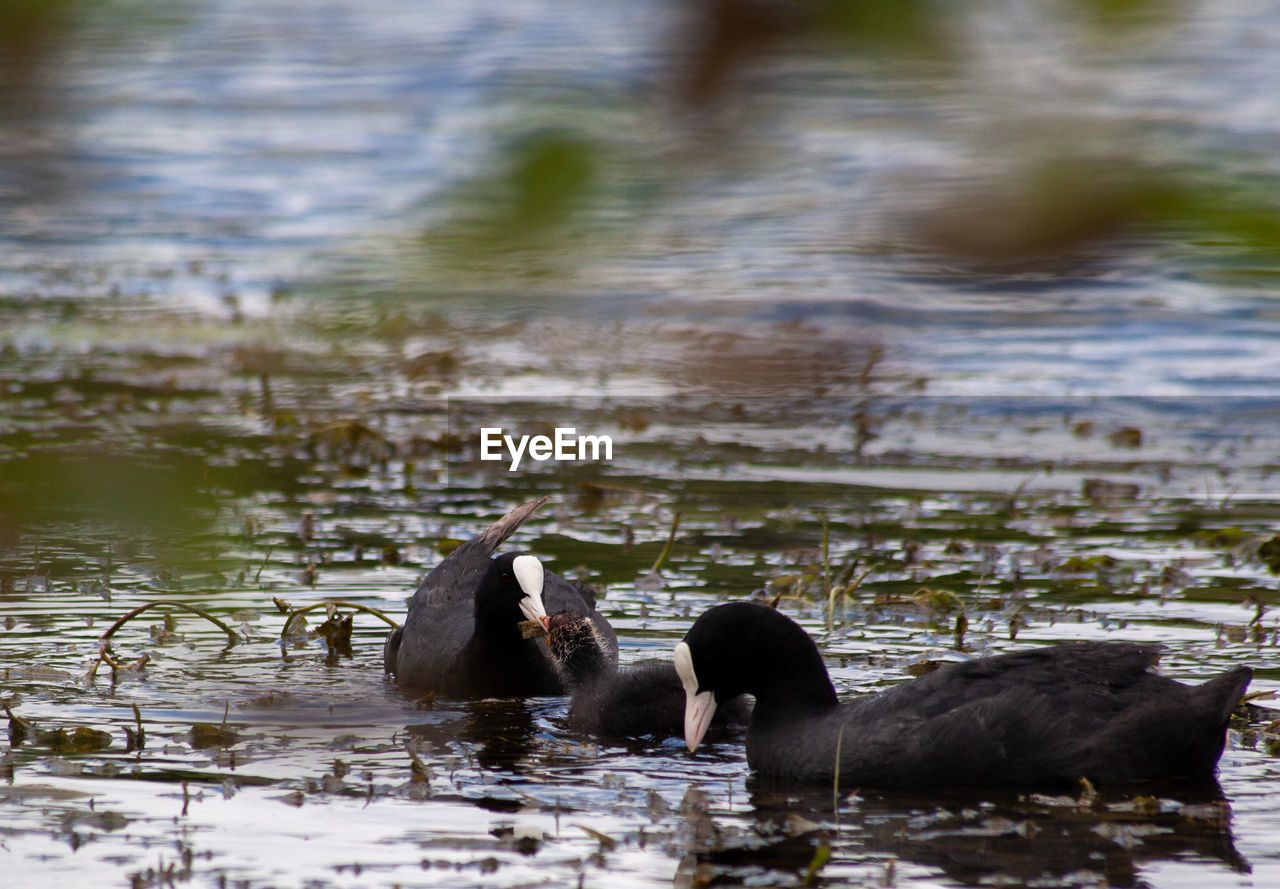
(578, 651)
(644, 700)
(461, 637)
(1040, 718)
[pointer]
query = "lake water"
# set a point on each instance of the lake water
(259, 290)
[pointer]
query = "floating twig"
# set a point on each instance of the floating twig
(671, 539)
(835, 778)
(232, 638)
(418, 770)
(106, 656)
(334, 603)
(1017, 492)
(19, 728)
(607, 843)
(820, 858)
(135, 738)
(826, 573)
(257, 578)
(844, 591)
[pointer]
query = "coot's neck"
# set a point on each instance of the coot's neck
(786, 674)
(499, 662)
(497, 621)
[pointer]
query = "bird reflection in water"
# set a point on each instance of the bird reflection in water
(973, 838)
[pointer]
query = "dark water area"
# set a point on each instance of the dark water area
(974, 316)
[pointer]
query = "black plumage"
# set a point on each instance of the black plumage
(1043, 717)
(461, 637)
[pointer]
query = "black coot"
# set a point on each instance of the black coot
(461, 637)
(643, 700)
(1043, 717)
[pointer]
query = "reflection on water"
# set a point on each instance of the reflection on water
(499, 734)
(975, 839)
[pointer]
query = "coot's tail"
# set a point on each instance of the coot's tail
(1172, 736)
(1221, 694)
(493, 536)
(391, 650)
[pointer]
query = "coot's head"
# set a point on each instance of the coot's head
(577, 649)
(511, 587)
(747, 648)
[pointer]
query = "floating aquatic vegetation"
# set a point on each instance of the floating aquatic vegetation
(205, 734)
(336, 630)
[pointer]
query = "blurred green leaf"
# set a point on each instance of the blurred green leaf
(917, 27)
(551, 175)
(1225, 213)
(527, 209)
(1055, 207)
(1106, 15)
(26, 26)
(1049, 208)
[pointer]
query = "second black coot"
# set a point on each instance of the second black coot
(1044, 717)
(461, 637)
